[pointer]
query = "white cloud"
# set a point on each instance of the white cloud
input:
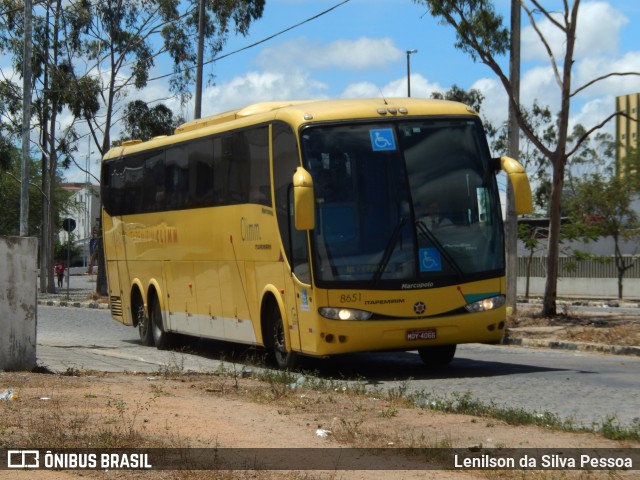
(590, 68)
(420, 87)
(360, 54)
(595, 112)
(260, 87)
(598, 32)
(495, 104)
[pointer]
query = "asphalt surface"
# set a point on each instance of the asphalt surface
(80, 292)
(566, 381)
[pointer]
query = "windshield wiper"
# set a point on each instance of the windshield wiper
(427, 234)
(388, 251)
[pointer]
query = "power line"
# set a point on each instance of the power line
(270, 37)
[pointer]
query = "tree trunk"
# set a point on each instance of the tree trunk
(555, 218)
(620, 280)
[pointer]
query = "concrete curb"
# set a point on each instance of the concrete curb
(600, 303)
(73, 303)
(575, 346)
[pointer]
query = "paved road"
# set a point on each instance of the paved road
(585, 387)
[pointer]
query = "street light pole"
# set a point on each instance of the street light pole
(409, 52)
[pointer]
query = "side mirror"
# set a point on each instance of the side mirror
(520, 183)
(303, 200)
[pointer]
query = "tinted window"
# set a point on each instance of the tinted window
(224, 170)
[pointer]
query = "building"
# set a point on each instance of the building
(85, 212)
(627, 127)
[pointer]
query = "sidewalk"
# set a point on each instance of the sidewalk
(82, 295)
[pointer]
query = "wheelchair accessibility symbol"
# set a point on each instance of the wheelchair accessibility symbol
(430, 260)
(382, 139)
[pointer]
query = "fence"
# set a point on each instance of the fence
(576, 277)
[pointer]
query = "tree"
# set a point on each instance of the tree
(529, 235)
(601, 207)
(89, 55)
(51, 67)
(540, 120)
(121, 41)
(630, 168)
(481, 34)
(473, 98)
(143, 122)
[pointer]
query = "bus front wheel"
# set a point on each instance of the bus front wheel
(161, 338)
(437, 356)
(144, 329)
(284, 359)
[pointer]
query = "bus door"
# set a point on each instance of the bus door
(301, 306)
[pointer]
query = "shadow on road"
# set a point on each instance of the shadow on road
(371, 367)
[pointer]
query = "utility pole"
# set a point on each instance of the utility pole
(26, 121)
(511, 233)
(201, 14)
(409, 52)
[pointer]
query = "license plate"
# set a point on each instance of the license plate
(426, 334)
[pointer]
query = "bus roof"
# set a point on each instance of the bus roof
(297, 112)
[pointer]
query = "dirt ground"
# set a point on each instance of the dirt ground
(175, 409)
(576, 326)
(220, 411)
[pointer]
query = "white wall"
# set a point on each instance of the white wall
(605, 288)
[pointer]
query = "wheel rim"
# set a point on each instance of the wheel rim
(156, 325)
(143, 322)
(279, 344)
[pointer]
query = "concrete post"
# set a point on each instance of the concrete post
(18, 311)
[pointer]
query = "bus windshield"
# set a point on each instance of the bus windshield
(403, 203)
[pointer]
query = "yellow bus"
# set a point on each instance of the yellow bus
(312, 228)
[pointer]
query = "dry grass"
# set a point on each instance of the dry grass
(606, 328)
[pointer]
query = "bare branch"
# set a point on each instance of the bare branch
(586, 134)
(546, 13)
(554, 63)
(603, 77)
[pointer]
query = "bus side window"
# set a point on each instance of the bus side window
(176, 177)
(257, 140)
(201, 173)
(153, 192)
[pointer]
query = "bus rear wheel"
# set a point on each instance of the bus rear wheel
(284, 359)
(161, 338)
(144, 329)
(437, 356)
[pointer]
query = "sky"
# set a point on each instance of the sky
(359, 50)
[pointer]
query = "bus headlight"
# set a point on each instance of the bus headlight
(344, 313)
(486, 304)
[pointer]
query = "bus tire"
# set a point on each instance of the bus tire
(142, 320)
(283, 358)
(161, 338)
(437, 356)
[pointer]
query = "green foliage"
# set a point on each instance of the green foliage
(602, 207)
(10, 196)
(472, 98)
(528, 235)
(630, 168)
(143, 122)
(61, 251)
(479, 29)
